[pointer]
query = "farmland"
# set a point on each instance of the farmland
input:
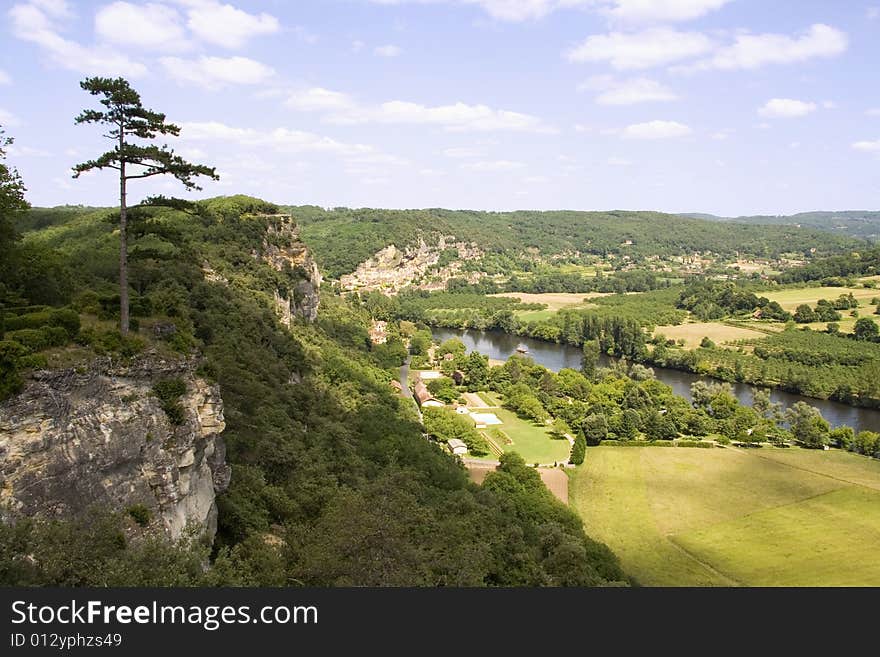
(693, 333)
(734, 517)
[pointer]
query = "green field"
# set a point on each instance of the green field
(792, 298)
(535, 443)
(679, 517)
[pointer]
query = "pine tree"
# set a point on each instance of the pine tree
(128, 119)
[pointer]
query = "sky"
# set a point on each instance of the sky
(731, 107)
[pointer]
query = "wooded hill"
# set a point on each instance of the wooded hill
(342, 238)
(864, 224)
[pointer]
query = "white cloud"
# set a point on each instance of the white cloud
(7, 118)
(722, 135)
(656, 130)
(27, 151)
(33, 22)
(627, 10)
(318, 99)
(628, 92)
(751, 51)
(867, 146)
(340, 109)
(786, 108)
(280, 139)
(4, 77)
(645, 49)
(662, 11)
(872, 13)
(462, 152)
(150, 26)
(495, 165)
(225, 25)
(357, 45)
(874, 111)
(217, 72)
(387, 51)
(618, 162)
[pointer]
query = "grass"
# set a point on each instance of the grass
(693, 334)
(720, 517)
(554, 300)
(490, 398)
(829, 540)
(790, 299)
(534, 442)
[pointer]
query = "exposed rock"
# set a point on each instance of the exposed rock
(76, 439)
(284, 251)
(391, 269)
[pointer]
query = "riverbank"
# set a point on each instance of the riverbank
(500, 346)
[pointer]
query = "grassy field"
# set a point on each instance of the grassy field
(791, 299)
(680, 517)
(533, 442)
(693, 334)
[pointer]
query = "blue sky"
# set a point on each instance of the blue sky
(724, 106)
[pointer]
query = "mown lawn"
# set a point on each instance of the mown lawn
(829, 540)
(531, 441)
(680, 517)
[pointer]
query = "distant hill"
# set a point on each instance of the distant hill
(863, 224)
(342, 238)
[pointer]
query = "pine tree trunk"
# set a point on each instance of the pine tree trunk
(123, 248)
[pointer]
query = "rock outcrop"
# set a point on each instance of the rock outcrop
(393, 269)
(98, 436)
(284, 251)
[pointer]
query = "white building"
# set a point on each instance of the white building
(457, 447)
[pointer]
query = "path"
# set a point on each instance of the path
(474, 400)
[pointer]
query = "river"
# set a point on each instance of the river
(499, 345)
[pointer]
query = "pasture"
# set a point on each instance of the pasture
(790, 299)
(554, 300)
(719, 333)
(723, 517)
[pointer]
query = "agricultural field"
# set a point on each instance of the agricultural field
(719, 333)
(555, 301)
(535, 443)
(722, 517)
(790, 299)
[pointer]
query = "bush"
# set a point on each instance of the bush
(39, 339)
(140, 514)
(694, 443)
(169, 393)
(65, 318)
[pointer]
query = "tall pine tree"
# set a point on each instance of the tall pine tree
(128, 119)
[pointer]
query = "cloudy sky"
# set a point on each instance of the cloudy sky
(724, 106)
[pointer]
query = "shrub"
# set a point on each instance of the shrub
(140, 514)
(694, 443)
(578, 450)
(169, 393)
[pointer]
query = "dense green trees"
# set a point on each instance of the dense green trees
(342, 238)
(445, 424)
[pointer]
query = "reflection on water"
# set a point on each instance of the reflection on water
(500, 345)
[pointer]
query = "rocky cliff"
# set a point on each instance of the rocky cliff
(285, 252)
(99, 436)
(393, 269)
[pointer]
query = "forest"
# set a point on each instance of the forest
(342, 238)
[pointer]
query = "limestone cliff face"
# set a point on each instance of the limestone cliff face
(73, 439)
(393, 269)
(285, 252)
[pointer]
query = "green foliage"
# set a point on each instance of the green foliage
(342, 238)
(169, 392)
(140, 514)
(578, 450)
(445, 424)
